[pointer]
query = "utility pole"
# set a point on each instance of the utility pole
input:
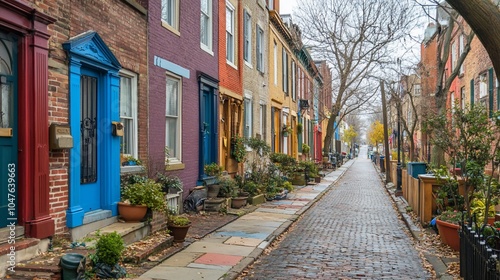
(386, 136)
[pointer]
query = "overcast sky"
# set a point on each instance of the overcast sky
(287, 6)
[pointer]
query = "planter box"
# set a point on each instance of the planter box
(299, 179)
(258, 199)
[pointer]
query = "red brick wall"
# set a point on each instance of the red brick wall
(230, 77)
(115, 21)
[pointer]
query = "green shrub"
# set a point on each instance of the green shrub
(179, 220)
(109, 248)
(147, 193)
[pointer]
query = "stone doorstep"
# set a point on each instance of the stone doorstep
(144, 255)
(20, 245)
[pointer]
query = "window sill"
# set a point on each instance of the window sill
(206, 49)
(175, 166)
(131, 169)
(170, 28)
(248, 64)
(231, 64)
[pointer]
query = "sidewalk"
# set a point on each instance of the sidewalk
(230, 249)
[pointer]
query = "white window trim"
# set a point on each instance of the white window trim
(233, 32)
(133, 84)
(248, 96)
(173, 28)
(259, 56)
(208, 48)
(247, 33)
(178, 159)
(483, 85)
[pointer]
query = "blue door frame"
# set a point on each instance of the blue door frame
(209, 134)
(89, 55)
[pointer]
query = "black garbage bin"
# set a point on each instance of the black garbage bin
(382, 165)
(69, 264)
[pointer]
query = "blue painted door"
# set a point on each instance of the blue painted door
(89, 149)
(8, 130)
(208, 126)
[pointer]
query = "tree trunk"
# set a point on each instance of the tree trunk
(484, 18)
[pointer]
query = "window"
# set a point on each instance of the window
(260, 49)
(206, 25)
(416, 89)
(229, 32)
(453, 55)
(284, 71)
(460, 51)
(247, 33)
(128, 112)
(294, 94)
(462, 98)
(270, 4)
(247, 133)
(173, 118)
(483, 86)
(275, 52)
(170, 13)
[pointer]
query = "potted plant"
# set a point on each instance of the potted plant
(448, 225)
(299, 128)
(238, 149)
(178, 226)
(170, 184)
(214, 171)
(286, 129)
(131, 161)
(138, 196)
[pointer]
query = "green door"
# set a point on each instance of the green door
(8, 130)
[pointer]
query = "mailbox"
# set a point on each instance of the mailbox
(117, 128)
(60, 137)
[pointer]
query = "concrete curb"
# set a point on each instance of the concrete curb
(250, 259)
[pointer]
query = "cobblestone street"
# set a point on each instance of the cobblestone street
(352, 232)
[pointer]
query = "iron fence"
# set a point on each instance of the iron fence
(479, 255)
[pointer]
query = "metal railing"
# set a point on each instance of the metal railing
(478, 258)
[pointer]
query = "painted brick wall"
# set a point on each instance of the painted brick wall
(115, 21)
(185, 51)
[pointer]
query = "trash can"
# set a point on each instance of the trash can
(416, 168)
(382, 165)
(69, 263)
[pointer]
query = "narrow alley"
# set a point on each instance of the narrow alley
(352, 232)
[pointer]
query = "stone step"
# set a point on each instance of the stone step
(130, 232)
(25, 249)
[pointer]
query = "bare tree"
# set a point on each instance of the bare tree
(354, 37)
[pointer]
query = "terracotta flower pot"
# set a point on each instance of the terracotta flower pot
(179, 232)
(238, 202)
(449, 234)
(131, 213)
(213, 191)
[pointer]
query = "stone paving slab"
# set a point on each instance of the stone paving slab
(257, 235)
(181, 259)
(218, 259)
(209, 247)
(184, 273)
(242, 241)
